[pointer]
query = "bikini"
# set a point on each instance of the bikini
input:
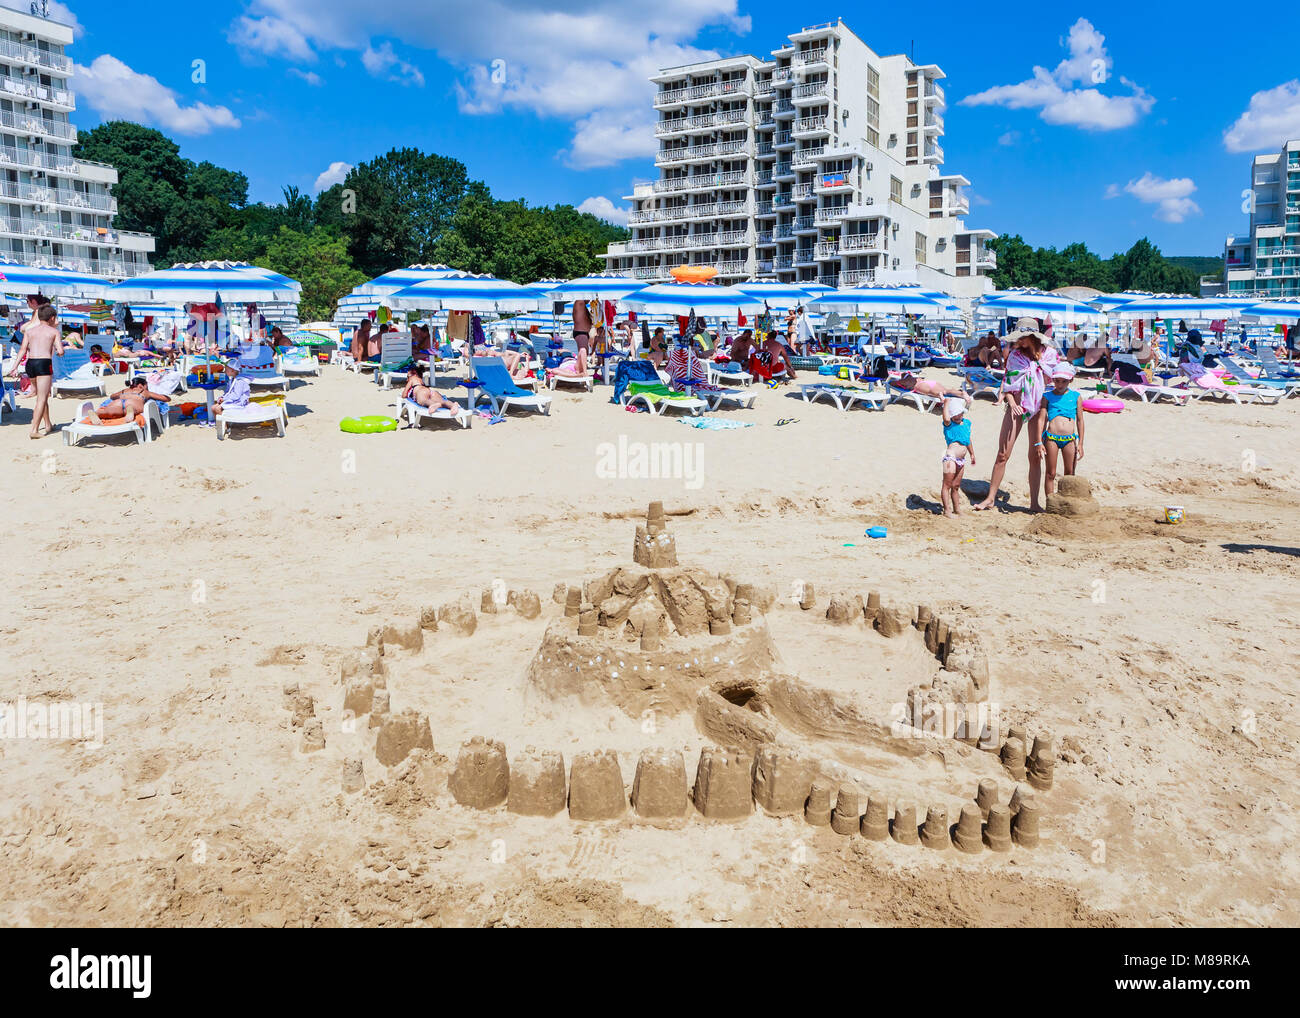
(1055, 408)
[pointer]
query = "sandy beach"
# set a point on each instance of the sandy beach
(185, 584)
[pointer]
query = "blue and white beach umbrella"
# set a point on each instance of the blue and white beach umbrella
(1036, 304)
(1195, 308)
(1274, 312)
(784, 296)
(877, 300)
(29, 279)
(1111, 301)
(597, 286)
(400, 279)
(207, 282)
(469, 293)
(708, 299)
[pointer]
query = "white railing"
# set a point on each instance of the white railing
(810, 124)
(26, 157)
(731, 268)
(36, 56)
(859, 241)
(828, 249)
(856, 277)
(784, 262)
(733, 148)
(805, 223)
(732, 208)
(732, 238)
(764, 208)
(648, 272)
(26, 124)
(669, 96)
(801, 191)
(803, 256)
(672, 125)
(782, 75)
(764, 239)
(809, 88)
(667, 184)
(736, 86)
(811, 56)
(805, 156)
(829, 280)
(783, 170)
(703, 209)
(832, 214)
(783, 138)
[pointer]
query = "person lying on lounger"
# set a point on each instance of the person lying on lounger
(929, 387)
(425, 395)
(1081, 355)
(126, 405)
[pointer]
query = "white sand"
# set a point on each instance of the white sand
(184, 583)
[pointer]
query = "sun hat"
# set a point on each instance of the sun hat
(955, 406)
(1027, 327)
(1063, 370)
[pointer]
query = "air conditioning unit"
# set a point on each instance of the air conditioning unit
(870, 167)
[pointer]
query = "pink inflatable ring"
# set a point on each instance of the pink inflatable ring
(1103, 405)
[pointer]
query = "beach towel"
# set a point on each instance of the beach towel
(629, 371)
(684, 365)
(715, 423)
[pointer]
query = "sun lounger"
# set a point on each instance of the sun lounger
(74, 373)
(1289, 386)
(657, 398)
(266, 412)
(259, 368)
(981, 380)
(499, 389)
(415, 414)
(1128, 379)
(299, 361)
(1204, 384)
(715, 396)
(1271, 366)
(920, 400)
(143, 431)
(844, 397)
(584, 382)
(732, 374)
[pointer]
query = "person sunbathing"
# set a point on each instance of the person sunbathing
(516, 362)
(425, 395)
(1083, 356)
(929, 387)
(127, 404)
(987, 352)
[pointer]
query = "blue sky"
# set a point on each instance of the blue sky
(1141, 119)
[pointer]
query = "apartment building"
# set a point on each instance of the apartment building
(55, 211)
(1265, 262)
(820, 163)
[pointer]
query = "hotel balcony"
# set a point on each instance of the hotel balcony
(804, 256)
(56, 98)
(783, 171)
(934, 94)
(783, 261)
(764, 179)
(783, 139)
(649, 272)
(766, 150)
(765, 240)
(735, 267)
(783, 109)
(732, 238)
(60, 196)
(857, 277)
(810, 58)
(30, 124)
(806, 224)
(986, 259)
(806, 157)
(933, 155)
(809, 93)
(784, 231)
(828, 279)
(731, 117)
(670, 97)
(764, 90)
(801, 192)
(34, 56)
(933, 124)
(832, 214)
(783, 76)
(29, 159)
(782, 201)
(833, 183)
(809, 126)
(854, 243)
(827, 249)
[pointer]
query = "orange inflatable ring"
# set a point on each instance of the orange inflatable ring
(694, 273)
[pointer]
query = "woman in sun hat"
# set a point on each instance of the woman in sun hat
(1022, 392)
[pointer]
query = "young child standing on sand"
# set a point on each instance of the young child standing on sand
(959, 452)
(1064, 433)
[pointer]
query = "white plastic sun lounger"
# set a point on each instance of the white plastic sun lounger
(254, 413)
(76, 431)
(732, 397)
(1289, 386)
(74, 373)
(729, 374)
(920, 400)
(500, 390)
(844, 398)
(414, 414)
(1146, 391)
(299, 364)
(1236, 393)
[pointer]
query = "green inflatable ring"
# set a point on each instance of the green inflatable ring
(367, 425)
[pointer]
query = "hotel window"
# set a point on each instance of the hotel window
(896, 190)
(920, 249)
(873, 113)
(873, 137)
(873, 82)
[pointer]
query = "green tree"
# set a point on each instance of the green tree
(319, 261)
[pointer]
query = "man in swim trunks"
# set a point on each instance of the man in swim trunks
(425, 395)
(126, 405)
(1081, 355)
(777, 355)
(41, 343)
(581, 332)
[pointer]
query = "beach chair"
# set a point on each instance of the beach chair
(716, 396)
(394, 352)
(977, 381)
(74, 373)
(658, 398)
(299, 361)
(142, 427)
(920, 400)
(1129, 379)
(268, 409)
(731, 373)
(415, 414)
(258, 366)
(1270, 366)
(584, 382)
(844, 397)
(500, 390)
(1204, 384)
(1288, 386)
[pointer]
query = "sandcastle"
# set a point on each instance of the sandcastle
(660, 636)
(1073, 497)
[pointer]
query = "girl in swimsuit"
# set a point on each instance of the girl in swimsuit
(1063, 437)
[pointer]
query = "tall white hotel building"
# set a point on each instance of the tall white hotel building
(1265, 262)
(55, 211)
(822, 163)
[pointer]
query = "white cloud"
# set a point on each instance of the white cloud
(602, 208)
(1057, 94)
(115, 91)
(1172, 198)
(384, 63)
(336, 174)
(1009, 139)
(270, 37)
(587, 62)
(58, 12)
(311, 77)
(1271, 120)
